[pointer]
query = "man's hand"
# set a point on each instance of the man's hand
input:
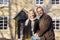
(36, 34)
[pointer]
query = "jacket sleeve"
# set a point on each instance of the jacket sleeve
(44, 25)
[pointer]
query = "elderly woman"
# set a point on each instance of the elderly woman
(32, 26)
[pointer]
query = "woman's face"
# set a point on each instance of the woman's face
(31, 14)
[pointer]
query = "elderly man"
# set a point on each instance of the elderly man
(45, 25)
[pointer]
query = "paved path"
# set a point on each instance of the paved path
(4, 39)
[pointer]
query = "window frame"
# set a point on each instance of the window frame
(3, 4)
(39, 3)
(56, 19)
(55, 2)
(5, 23)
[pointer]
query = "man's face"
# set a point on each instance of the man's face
(39, 11)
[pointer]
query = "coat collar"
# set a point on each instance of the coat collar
(33, 19)
(42, 16)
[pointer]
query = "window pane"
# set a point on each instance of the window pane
(1, 27)
(1, 24)
(41, 2)
(53, 21)
(57, 24)
(57, 21)
(1, 1)
(5, 21)
(5, 27)
(5, 24)
(5, 18)
(1, 21)
(53, 27)
(57, 2)
(57, 27)
(53, 2)
(53, 24)
(1, 18)
(37, 0)
(5, 1)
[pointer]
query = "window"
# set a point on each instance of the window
(3, 2)
(55, 1)
(56, 23)
(3, 22)
(39, 1)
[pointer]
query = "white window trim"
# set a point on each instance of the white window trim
(1, 5)
(4, 23)
(54, 19)
(39, 3)
(55, 2)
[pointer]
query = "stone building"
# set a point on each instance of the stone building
(9, 9)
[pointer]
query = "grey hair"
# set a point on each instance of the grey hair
(40, 7)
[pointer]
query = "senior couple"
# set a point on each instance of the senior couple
(41, 27)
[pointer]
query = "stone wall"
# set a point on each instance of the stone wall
(18, 5)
